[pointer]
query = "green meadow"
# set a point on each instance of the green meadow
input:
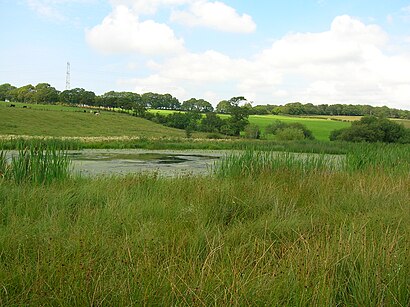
(60, 121)
(321, 128)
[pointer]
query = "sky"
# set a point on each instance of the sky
(270, 51)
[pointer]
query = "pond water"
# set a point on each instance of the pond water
(94, 162)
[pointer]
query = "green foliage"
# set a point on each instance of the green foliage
(372, 129)
(289, 131)
(78, 96)
(290, 134)
(211, 123)
(35, 165)
(197, 105)
(252, 131)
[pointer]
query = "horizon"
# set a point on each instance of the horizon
(325, 52)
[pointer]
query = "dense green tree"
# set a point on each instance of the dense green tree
(198, 105)
(121, 100)
(211, 123)
(78, 96)
(223, 107)
(161, 101)
(372, 129)
(24, 94)
(45, 93)
(6, 92)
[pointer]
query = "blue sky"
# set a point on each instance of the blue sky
(318, 51)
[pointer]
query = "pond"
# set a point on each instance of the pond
(94, 162)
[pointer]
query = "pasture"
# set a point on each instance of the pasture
(60, 121)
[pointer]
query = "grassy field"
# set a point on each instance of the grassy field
(60, 121)
(260, 231)
(321, 128)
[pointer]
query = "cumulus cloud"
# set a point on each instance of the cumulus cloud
(123, 32)
(216, 15)
(346, 64)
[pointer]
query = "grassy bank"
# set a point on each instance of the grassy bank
(282, 235)
(59, 122)
(76, 143)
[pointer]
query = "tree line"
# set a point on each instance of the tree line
(45, 93)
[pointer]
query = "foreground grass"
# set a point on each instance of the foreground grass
(273, 236)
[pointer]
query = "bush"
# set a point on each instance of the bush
(290, 134)
(252, 131)
(373, 129)
(277, 126)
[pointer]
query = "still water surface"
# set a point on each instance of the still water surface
(94, 162)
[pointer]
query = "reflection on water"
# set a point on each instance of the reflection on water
(166, 163)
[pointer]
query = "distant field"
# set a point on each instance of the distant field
(335, 117)
(320, 128)
(57, 120)
(40, 120)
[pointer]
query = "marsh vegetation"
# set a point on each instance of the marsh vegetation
(265, 229)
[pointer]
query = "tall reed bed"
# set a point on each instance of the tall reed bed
(35, 165)
(392, 158)
(255, 163)
(20, 143)
(387, 158)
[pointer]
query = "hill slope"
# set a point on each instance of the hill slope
(35, 122)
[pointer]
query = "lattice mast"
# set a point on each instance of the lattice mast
(68, 76)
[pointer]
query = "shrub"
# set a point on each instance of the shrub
(252, 131)
(373, 129)
(290, 134)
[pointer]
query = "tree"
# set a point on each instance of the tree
(45, 93)
(198, 105)
(24, 94)
(223, 107)
(372, 129)
(160, 102)
(78, 96)
(6, 92)
(239, 115)
(211, 123)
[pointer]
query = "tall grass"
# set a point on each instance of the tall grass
(276, 229)
(255, 163)
(379, 158)
(19, 143)
(38, 166)
(386, 158)
(280, 239)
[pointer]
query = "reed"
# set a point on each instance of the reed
(37, 166)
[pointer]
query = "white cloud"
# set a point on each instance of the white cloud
(46, 9)
(123, 32)
(216, 15)
(147, 6)
(346, 64)
(52, 9)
